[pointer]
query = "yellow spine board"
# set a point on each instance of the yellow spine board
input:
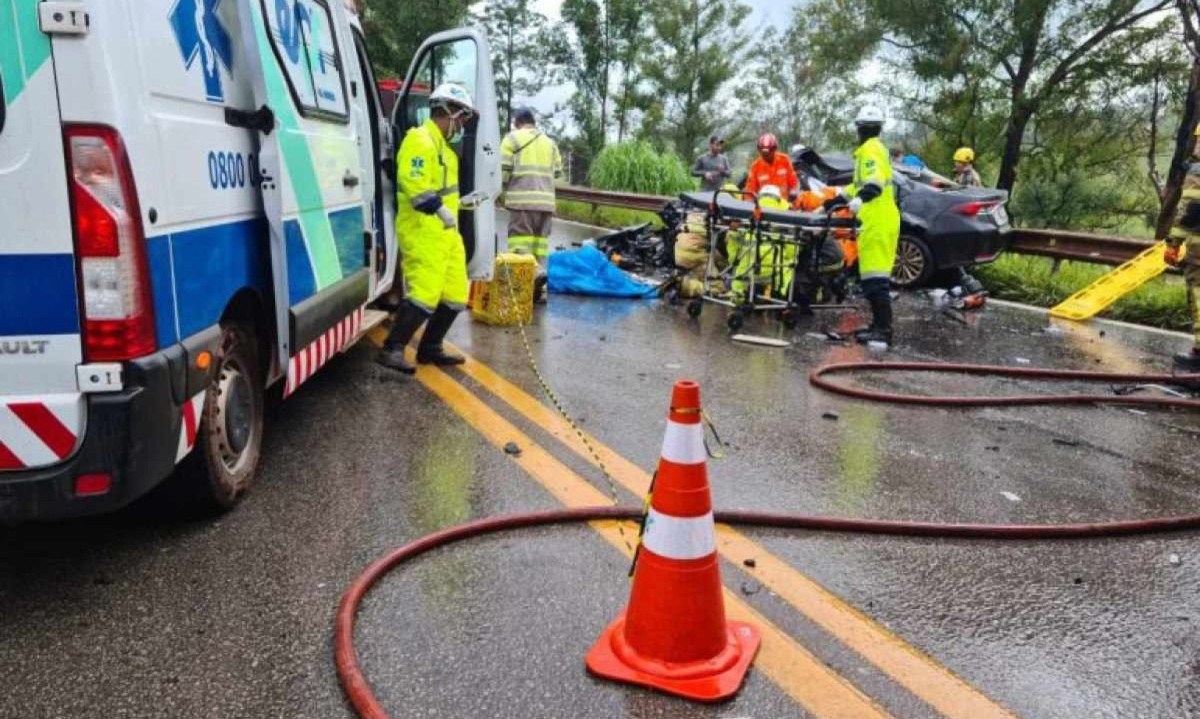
(508, 298)
(1096, 297)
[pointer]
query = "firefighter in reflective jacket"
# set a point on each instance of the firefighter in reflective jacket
(1183, 248)
(871, 196)
(433, 259)
(529, 162)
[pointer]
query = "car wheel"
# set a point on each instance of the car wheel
(914, 263)
(231, 431)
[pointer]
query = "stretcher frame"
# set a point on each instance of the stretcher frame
(764, 228)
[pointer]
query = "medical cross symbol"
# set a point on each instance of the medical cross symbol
(199, 33)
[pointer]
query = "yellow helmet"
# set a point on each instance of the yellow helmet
(964, 154)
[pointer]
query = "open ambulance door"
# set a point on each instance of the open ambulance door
(462, 56)
(311, 176)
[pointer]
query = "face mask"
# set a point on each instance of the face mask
(460, 121)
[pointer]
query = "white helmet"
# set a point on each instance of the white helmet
(770, 191)
(869, 115)
(451, 93)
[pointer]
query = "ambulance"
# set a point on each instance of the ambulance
(196, 208)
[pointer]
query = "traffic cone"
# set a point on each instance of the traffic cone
(673, 635)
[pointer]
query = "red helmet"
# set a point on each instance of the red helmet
(767, 141)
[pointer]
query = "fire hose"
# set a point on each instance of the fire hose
(367, 705)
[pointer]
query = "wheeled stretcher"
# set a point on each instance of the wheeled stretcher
(758, 257)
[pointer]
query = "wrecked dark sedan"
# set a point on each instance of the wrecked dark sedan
(944, 227)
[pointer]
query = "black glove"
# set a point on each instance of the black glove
(833, 202)
(427, 202)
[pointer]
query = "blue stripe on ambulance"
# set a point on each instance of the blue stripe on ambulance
(38, 295)
(348, 229)
(195, 273)
(158, 256)
(302, 283)
(211, 264)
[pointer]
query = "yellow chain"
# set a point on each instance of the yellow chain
(558, 405)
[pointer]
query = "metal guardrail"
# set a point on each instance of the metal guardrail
(612, 199)
(1055, 244)
(1078, 246)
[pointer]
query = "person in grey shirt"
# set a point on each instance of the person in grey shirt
(712, 167)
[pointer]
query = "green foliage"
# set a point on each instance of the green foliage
(521, 50)
(697, 47)
(1032, 280)
(597, 48)
(614, 217)
(394, 29)
(637, 167)
(796, 93)
(994, 75)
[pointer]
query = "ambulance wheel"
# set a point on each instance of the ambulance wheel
(231, 429)
(735, 321)
(694, 307)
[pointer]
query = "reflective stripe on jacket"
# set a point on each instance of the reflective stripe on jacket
(432, 257)
(529, 162)
(879, 230)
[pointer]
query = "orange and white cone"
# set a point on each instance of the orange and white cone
(673, 636)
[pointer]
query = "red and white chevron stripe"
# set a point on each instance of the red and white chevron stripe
(305, 363)
(39, 431)
(192, 411)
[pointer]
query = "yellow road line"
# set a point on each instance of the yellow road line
(820, 690)
(905, 664)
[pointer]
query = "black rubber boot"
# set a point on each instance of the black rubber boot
(1188, 361)
(404, 325)
(430, 351)
(881, 321)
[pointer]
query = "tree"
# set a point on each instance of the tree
(697, 47)
(1189, 118)
(597, 48)
(794, 93)
(521, 50)
(394, 29)
(1013, 58)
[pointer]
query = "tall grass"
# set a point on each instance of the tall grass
(1032, 280)
(637, 167)
(614, 217)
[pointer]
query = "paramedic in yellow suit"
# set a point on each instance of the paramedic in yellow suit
(1183, 249)
(433, 258)
(872, 197)
(769, 197)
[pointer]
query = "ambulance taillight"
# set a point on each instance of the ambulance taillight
(118, 313)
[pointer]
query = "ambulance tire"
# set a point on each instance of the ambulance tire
(231, 429)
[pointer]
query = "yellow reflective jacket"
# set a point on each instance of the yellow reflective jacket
(880, 218)
(529, 162)
(1186, 227)
(425, 164)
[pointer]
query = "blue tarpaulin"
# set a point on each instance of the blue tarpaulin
(587, 271)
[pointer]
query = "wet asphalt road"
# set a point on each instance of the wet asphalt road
(157, 613)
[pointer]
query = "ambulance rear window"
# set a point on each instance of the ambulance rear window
(308, 53)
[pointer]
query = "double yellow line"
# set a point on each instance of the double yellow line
(800, 674)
